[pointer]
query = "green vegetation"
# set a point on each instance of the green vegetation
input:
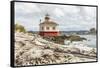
(75, 38)
(60, 39)
(19, 28)
(93, 31)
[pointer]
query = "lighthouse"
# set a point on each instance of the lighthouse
(48, 27)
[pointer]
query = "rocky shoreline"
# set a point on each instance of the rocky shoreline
(32, 49)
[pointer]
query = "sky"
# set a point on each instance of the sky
(69, 17)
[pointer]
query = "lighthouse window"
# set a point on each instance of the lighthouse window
(42, 28)
(53, 28)
(47, 28)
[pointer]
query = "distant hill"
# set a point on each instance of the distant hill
(81, 32)
(75, 32)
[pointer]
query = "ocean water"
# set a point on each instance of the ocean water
(90, 42)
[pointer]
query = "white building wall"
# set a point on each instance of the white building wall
(50, 28)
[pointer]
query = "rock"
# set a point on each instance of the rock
(48, 52)
(32, 49)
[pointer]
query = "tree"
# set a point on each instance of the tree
(19, 28)
(92, 30)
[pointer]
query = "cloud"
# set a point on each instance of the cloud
(58, 12)
(27, 7)
(68, 17)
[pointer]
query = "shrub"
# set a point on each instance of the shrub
(19, 28)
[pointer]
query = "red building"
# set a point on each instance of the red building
(48, 27)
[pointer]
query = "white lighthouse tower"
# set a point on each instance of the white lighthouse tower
(48, 27)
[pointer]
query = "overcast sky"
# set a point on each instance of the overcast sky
(69, 18)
